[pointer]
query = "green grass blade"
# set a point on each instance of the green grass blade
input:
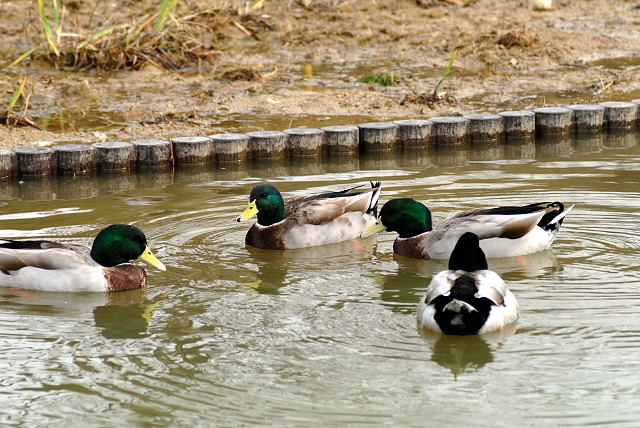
(446, 72)
(47, 28)
(57, 20)
(17, 94)
(98, 35)
(167, 6)
(21, 57)
(56, 14)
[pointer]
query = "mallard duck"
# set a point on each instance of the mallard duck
(308, 221)
(503, 231)
(53, 266)
(468, 298)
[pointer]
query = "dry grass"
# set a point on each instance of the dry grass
(125, 34)
(10, 118)
(128, 46)
(106, 36)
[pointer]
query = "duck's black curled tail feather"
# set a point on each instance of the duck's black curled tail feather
(373, 205)
(552, 220)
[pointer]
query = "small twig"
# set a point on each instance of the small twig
(93, 12)
(242, 28)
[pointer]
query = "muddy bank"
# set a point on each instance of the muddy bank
(284, 65)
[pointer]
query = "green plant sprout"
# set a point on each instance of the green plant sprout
(382, 79)
(436, 91)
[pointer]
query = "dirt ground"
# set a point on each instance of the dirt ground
(284, 65)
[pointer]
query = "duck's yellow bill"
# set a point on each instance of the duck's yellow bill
(148, 257)
(250, 212)
(373, 229)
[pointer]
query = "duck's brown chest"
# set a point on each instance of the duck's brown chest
(126, 276)
(410, 247)
(268, 238)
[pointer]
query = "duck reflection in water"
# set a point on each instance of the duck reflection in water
(272, 271)
(400, 288)
(273, 265)
(121, 314)
(464, 354)
(68, 304)
(125, 318)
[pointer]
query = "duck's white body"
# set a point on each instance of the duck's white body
(503, 313)
(501, 235)
(79, 278)
(535, 240)
(65, 267)
(467, 298)
(439, 246)
(346, 227)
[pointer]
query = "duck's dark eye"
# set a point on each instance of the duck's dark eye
(264, 195)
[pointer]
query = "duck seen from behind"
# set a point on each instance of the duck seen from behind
(55, 266)
(503, 231)
(308, 221)
(467, 298)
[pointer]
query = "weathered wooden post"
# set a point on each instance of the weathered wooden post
(637, 102)
(414, 133)
(230, 147)
(450, 130)
(192, 150)
(378, 136)
(485, 126)
(8, 163)
(587, 117)
(619, 114)
(34, 161)
(152, 153)
(519, 123)
(267, 144)
(553, 120)
(114, 155)
(341, 139)
(304, 141)
(75, 158)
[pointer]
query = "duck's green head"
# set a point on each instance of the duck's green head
(406, 216)
(121, 243)
(266, 203)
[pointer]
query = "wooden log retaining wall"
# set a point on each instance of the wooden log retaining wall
(347, 140)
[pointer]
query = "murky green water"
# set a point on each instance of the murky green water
(232, 336)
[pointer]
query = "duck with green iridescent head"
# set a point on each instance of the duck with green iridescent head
(310, 220)
(55, 266)
(503, 231)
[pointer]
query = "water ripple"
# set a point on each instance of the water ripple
(237, 336)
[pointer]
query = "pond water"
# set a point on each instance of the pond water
(234, 336)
